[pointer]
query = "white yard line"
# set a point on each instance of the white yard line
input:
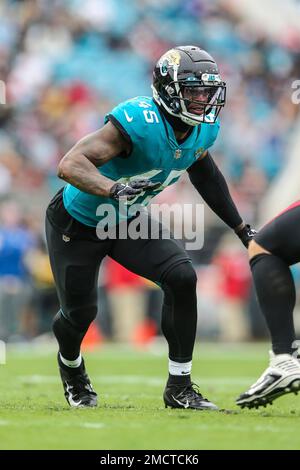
(3, 422)
(235, 427)
(93, 425)
(138, 379)
(156, 350)
(212, 427)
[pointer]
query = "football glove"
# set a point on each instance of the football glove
(130, 190)
(246, 234)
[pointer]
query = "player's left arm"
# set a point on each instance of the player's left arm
(211, 185)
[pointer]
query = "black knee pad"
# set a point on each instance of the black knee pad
(79, 319)
(181, 278)
(255, 259)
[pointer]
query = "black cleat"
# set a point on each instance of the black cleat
(186, 396)
(78, 389)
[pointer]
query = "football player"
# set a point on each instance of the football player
(144, 146)
(274, 249)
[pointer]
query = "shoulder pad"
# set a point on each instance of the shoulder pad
(135, 115)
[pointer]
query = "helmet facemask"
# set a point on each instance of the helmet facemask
(202, 103)
(194, 102)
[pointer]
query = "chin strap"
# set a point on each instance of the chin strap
(175, 122)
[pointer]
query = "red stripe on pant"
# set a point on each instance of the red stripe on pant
(291, 206)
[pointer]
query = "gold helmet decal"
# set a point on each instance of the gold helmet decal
(170, 59)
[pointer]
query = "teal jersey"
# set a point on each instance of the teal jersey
(155, 154)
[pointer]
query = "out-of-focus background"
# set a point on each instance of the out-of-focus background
(65, 63)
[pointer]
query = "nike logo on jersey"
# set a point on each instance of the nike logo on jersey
(184, 405)
(129, 119)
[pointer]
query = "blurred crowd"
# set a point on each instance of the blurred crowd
(65, 63)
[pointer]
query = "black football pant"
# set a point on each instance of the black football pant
(76, 254)
(273, 280)
(281, 236)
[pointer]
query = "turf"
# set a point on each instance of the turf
(34, 415)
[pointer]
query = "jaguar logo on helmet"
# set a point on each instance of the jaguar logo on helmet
(187, 85)
(169, 59)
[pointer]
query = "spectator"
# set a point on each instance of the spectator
(15, 241)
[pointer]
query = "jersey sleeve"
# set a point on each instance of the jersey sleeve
(128, 118)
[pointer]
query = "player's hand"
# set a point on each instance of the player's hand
(132, 189)
(246, 234)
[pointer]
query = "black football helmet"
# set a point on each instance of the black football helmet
(187, 84)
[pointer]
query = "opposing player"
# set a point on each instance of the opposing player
(144, 146)
(274, 249)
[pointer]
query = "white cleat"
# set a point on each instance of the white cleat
(281, 377)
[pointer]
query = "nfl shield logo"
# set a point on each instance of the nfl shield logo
(199, 152)
(177, 153)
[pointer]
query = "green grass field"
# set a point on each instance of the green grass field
(131, 415)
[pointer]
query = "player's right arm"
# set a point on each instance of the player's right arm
(79, 166)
